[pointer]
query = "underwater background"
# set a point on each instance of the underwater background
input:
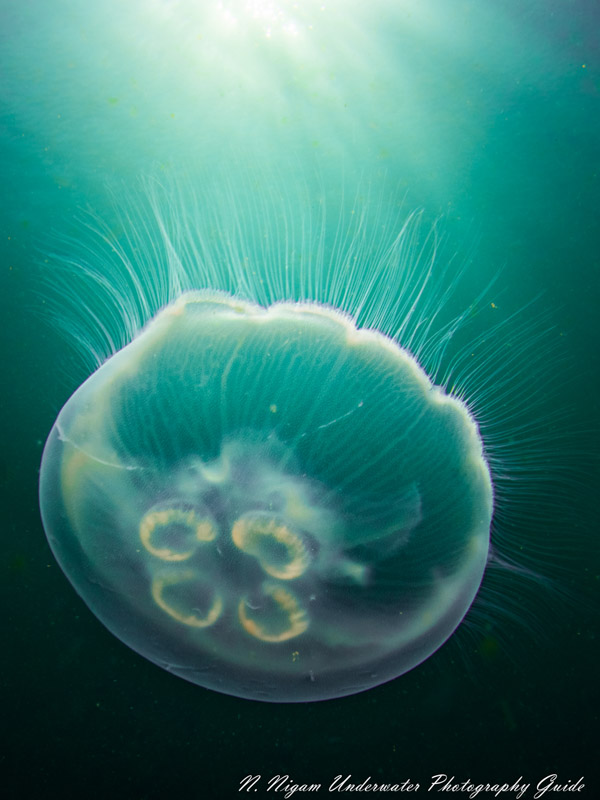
(483, 113)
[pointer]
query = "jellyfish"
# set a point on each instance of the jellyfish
(259, 488)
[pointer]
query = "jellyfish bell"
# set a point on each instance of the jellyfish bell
(261, 490)
(232, 463)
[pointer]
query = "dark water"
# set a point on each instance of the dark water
(483, 113)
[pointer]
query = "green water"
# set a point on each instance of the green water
(483, 114)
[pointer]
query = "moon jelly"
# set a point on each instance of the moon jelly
(269, 500)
